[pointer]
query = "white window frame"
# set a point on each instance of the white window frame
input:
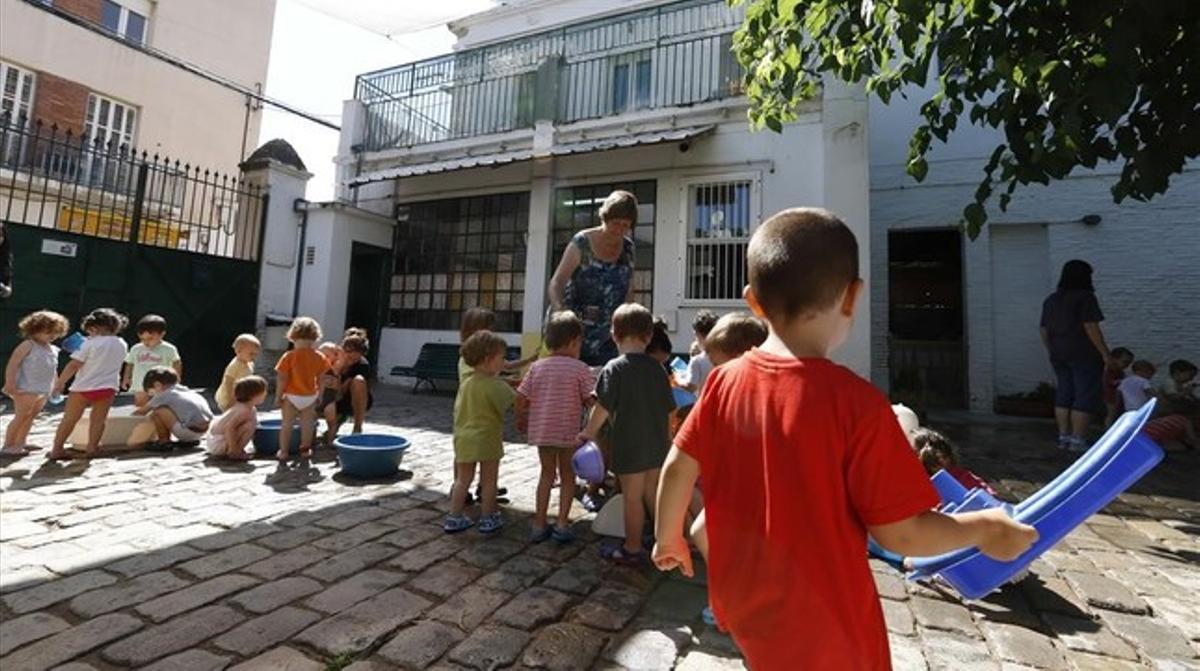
(142, 10)
(14, 146)
(686, 186)
(93, 126)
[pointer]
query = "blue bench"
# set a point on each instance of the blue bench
(438, 361)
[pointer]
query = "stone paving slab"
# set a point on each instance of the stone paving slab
(176, 562)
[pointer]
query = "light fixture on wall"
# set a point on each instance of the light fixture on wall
(1090, 220)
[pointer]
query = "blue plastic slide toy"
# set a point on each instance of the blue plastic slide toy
(1122, 456)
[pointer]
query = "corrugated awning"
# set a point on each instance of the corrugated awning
(504, 158)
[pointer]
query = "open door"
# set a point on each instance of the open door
(367, 299)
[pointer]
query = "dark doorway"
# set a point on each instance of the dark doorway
(367, 297)
(925, 318)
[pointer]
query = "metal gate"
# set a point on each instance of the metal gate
(94, 225)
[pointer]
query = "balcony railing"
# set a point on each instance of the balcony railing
(674, 55)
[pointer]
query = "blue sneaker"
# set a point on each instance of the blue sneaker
(708, 617)
(491, 523)
(562, 536)
(541, 535)
(456, 523)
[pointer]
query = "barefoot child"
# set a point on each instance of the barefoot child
(550, 404)
(479, 432)
(633, 394)
(233, 431)
(151, 351)
(29, 377)
(245, 351)
(800, 459)
(175, 410)
(96, 369)
(298, 386)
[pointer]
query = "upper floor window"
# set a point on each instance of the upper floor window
(123, 21)
(631, 82)
(110, 123)
(720, 218)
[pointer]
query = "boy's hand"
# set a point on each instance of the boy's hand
(1006, 539)
(672, 553)
(124, 385)
(583, 437)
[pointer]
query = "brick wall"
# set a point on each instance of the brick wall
(84, 9)
(60, 101)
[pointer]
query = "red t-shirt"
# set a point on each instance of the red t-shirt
(798, 457)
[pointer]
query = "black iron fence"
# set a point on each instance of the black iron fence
(68, 181)
(672, 55)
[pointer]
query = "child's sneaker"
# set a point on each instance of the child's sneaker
(456, 523)
(1064, 441)
(707, 615)
(491, 523)
(561, 535)
(1076, 445)
(540, 535)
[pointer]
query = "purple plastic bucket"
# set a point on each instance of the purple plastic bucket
(589, 463)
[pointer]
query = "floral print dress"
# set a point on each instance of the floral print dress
(597, 288)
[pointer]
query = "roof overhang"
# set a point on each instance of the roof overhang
(505, 158)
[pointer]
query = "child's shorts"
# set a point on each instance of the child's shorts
(95, 395)
(186, 433)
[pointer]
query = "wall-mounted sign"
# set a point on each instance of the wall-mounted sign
(59, 248)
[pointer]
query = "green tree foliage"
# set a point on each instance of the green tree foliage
(1070, 83)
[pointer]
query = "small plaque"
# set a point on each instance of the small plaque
(59, 248)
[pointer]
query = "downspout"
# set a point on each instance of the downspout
(300, 205)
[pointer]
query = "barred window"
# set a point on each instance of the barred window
(578, 207)
(459, 253)
(720, 219)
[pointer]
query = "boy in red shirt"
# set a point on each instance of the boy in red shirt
(801, 459)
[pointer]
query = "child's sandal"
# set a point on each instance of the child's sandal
(14, 451)
(622, 557)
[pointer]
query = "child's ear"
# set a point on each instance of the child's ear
(752, 301)
(850, 298)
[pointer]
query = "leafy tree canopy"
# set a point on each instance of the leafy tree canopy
(1070, 83)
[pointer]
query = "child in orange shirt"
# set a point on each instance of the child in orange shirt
(299, 385)
(801, 458)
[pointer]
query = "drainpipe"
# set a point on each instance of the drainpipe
(300, 205)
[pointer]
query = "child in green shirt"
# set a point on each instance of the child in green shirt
(479, 431)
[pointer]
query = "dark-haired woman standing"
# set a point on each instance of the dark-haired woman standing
(1071, 319)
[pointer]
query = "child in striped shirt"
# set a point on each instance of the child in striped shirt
(550, 405)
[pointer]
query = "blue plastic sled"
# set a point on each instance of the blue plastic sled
(1122, 456)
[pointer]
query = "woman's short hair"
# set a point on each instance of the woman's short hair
(44, 321)
(1076, 276)
(619, 205)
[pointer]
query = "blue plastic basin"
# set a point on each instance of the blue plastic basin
(266, 438)
(370, 455)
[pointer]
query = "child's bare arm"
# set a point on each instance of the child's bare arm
(597, 419)
(14, 364)
(930, 533)
(521, 410)
(178, 366)
(67, 373)
(126, 376)
(675, 487)
(281, 381)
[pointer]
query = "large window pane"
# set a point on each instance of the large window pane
(135, 27)
(458, 254)
(110, 15)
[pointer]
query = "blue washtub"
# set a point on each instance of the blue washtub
(370, 455)
(1120, 458)
(266, 438)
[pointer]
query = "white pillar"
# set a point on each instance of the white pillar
(537, 251)
(980, 336)
(353, 134)
(281, 237)
(847, 193)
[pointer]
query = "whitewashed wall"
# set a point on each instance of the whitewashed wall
(1145, 254)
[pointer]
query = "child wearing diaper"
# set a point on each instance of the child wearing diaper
(299, 385)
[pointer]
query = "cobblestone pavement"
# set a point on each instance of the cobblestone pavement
(175, 562)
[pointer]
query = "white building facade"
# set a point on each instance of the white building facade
(955, 321)
(490, 158)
